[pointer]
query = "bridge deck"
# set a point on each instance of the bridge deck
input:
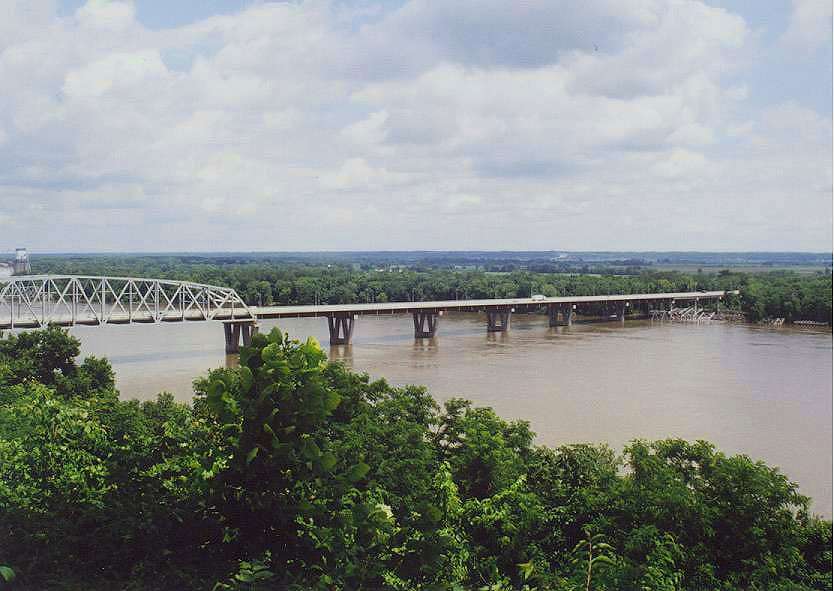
(30, 301)
(468, 305)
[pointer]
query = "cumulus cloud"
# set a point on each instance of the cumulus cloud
(336, 125)
(810, 25)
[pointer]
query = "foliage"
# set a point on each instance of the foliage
(265, 281)
(289, 472)
(787, 295)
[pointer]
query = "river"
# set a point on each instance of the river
(760, 391)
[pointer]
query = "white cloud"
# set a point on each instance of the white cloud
(106, 14)
(125, 72)
(366, 126)
(356, 173)
(810, 25)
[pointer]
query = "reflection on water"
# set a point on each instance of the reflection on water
(760, 391)
(343, 353)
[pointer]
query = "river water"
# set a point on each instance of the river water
(760, 391)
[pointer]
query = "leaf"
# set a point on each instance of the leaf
(262, 574)
(271, 354)
(333, 400)
(327, 461)
(251, 455)
(269, 430)
(603, 559)
(215, 389)
(313, 344)
(309, 450)
(433, 514)
(245, 379)
(7, 573)
(275, 336)
(527, 569)
(358, 472)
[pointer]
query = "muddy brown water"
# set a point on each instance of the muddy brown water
(760, 391)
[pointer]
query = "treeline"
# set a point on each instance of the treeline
(787, 295)
(783, 294)
(291, 473)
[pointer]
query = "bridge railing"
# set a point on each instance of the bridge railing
(38, 300)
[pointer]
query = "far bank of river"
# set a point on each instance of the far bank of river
(765, 392)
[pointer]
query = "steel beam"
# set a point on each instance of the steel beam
(34, 301)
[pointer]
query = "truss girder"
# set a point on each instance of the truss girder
(31, 301)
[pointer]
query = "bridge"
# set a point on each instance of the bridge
(33, 301)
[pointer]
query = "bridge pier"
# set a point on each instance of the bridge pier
(498, 320)
(341, 328)
(235, 331)
(565, 310)
(425, 324)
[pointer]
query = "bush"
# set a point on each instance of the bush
(292, 473)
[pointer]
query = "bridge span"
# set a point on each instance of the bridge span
(33, 301)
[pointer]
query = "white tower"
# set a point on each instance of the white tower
(21, 262)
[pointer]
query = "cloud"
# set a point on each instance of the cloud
(103, 14)
(118, 72)
(810, 25)
(336, 125)
(356, 173)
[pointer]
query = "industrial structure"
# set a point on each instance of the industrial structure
(33, 301)
(17, 266)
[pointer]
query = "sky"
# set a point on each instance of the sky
(225, 125)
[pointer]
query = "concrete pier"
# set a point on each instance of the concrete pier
(553, 315)
(341, 328)
(236, 331)
(498, 320)
(425, 324)
(560, 315)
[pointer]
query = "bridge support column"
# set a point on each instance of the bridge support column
(553, 315)
(498, 320)
(341, 328)
(555, 310)
(621, 311)
(425, 324)
(235, 331)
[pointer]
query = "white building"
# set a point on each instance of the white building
(17, 266)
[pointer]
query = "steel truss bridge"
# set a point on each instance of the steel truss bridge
(33, 301)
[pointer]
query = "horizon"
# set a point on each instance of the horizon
(398, 251)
